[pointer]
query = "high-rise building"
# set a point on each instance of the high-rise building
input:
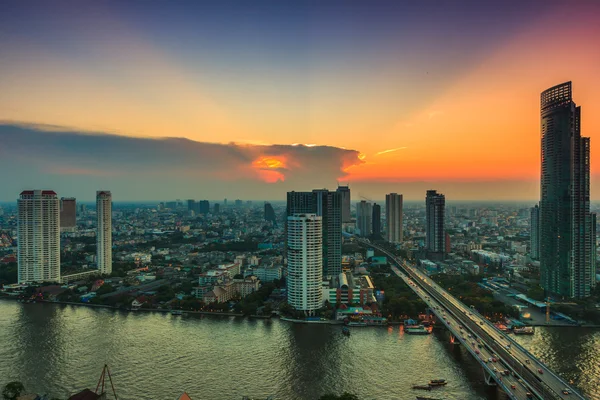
(191, 205)
(216, 208)
(305, 262)
(566, 242)
(203, 207)
(364, 214)
(376, 220)
(534, 232)
(68, 213)
(393, 218)
(38, 230)
(327, 205)
(104, 231)
(435, 237)
(269, 213)
(239, 203)
(346, 212)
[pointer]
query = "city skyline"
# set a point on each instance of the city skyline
(387, 98)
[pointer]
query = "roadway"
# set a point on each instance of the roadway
(493, 367)
(539, 379)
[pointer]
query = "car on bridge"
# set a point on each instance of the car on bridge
(566, 391)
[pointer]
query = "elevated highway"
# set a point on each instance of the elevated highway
(527, 377)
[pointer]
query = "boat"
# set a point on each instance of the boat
(176, 312)
(357, 324)
(421, 387)
(346, 331)
(417, 330)
(437, 382)
(526, 330)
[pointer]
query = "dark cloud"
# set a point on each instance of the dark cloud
(77, 163)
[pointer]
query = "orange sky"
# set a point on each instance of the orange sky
(478, 124)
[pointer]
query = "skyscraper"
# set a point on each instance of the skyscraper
(203, 207)
(345, 199)
(38, 230)
(435, 238)
(68, 211)
(566, 242)
(376, 220)
(534, 232)
(104, 231)
(192, 206)
(216, 208)
(305, 262)
(364, 214)
(393, 218)
(269, 213)
(327, 205)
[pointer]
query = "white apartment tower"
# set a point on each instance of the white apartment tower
(104, 231)
(393, 217)
(305, 262)
(38, 236)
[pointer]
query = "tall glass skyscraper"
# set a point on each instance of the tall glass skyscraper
(567, 243)
(435, 206)
(534, 232)
(364, 215)
(393, 217)
(345, 199)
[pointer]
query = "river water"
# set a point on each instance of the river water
(59, 349)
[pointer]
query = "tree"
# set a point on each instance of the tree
(12, 390)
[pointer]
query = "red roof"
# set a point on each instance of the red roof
(24, 192)
(48, 192)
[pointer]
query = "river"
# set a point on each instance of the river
(60, 349)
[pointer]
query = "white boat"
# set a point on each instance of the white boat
(417, 330)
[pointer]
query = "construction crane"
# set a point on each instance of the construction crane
(101, 381)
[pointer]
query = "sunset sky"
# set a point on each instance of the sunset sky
(249, 99)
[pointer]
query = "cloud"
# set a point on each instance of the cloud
(142, 167)
(390, 150)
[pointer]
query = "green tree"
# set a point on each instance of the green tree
(12, 390)
(104, 289)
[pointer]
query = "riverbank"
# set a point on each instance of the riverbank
(156, 310)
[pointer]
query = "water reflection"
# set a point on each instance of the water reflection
(61, 349)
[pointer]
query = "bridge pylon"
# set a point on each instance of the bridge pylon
(488, 378)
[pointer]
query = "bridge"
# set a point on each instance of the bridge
(504, 362)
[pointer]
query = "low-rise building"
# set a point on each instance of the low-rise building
(350, 290)
(266, 273)
(245, 286)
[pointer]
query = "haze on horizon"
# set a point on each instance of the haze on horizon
(158, 100)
